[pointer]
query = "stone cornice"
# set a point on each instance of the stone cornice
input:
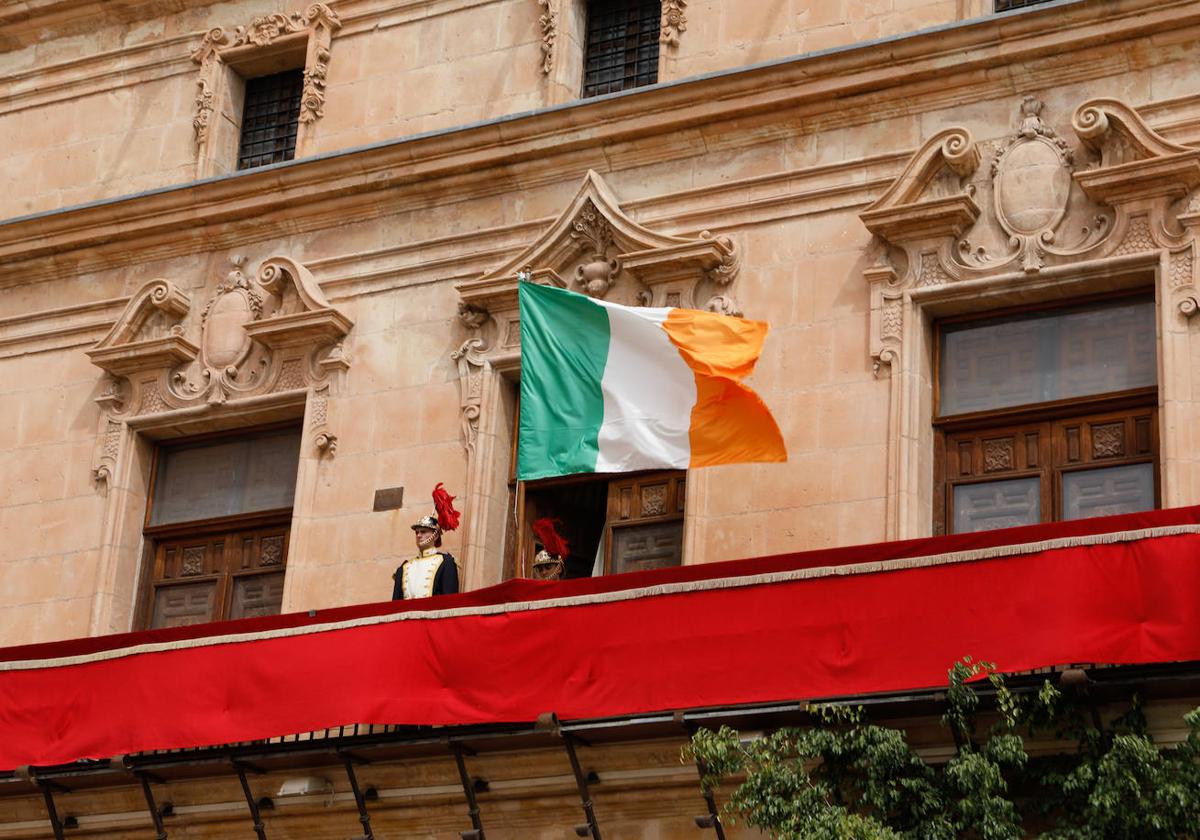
(24, 22)
(41, 20)
(64, 326)
(726, 206)
(743, 107)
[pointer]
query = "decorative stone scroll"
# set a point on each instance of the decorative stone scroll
(1032, 225)
(205, 102)
(471, 367)
(316, 24)
(252, 337)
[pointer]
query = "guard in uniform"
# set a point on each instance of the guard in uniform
(430, 572)
(550, 562)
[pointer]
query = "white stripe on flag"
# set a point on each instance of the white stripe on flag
(649, 392)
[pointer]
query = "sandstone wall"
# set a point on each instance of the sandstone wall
(106, 108)
(781, 160)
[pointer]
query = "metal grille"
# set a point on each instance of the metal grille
(270, 119)
(622, 45)
(1009, 5)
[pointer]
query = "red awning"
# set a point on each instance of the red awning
(887, 617)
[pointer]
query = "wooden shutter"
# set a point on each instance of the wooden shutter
(645, 522)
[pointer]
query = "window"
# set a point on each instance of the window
(622, 45)
(629, 522)
(1007, 5)
(217, 528)
(270, 119)
(1045, 416)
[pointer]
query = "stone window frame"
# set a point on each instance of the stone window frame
(595, 248)
(170, 377)
(268, 44)
(1138, 192)
(562, 24)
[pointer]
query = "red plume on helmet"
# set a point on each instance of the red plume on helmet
(548, 535)
(443, 503)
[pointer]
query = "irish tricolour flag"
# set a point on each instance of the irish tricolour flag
(609, 388)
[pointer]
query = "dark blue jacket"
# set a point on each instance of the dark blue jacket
(445, 579)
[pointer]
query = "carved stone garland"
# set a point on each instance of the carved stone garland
(548, 21)
(272, 334)
(317, 20)
(674, 22)
(1034, 210)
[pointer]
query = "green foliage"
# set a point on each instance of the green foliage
(844, 778)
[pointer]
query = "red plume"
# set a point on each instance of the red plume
(549, 537)
(443, 503)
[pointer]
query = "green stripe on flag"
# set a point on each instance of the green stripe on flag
(564, 348)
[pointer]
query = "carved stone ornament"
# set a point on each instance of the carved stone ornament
(596, 274)
(472, 364)
(1033, 225)
(594, 248)
(674, 22)
(548, 22)
(268, 334)
(1045, 209)
(264, 30)
(203, 111)
(1031, 182)
(317, 21)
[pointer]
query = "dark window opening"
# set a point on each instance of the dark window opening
(270, 119)
(613, 523)
(622, 45)
(580, 508)
(1009, 5)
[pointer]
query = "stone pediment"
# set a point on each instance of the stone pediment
(594, 248)
(1134, 161)
(270, 337)
(148, 333)
(931, 197)
(252, 336)
(1040, 203)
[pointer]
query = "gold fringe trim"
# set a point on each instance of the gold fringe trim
(925, 561)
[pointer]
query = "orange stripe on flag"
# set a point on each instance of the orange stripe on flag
(729, 423)
(716, 345)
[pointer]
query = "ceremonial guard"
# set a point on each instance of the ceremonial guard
(430, 572)
(550, 562)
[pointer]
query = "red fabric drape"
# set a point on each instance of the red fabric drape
(1127, 602)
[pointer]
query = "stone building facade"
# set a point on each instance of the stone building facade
(860, 174)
